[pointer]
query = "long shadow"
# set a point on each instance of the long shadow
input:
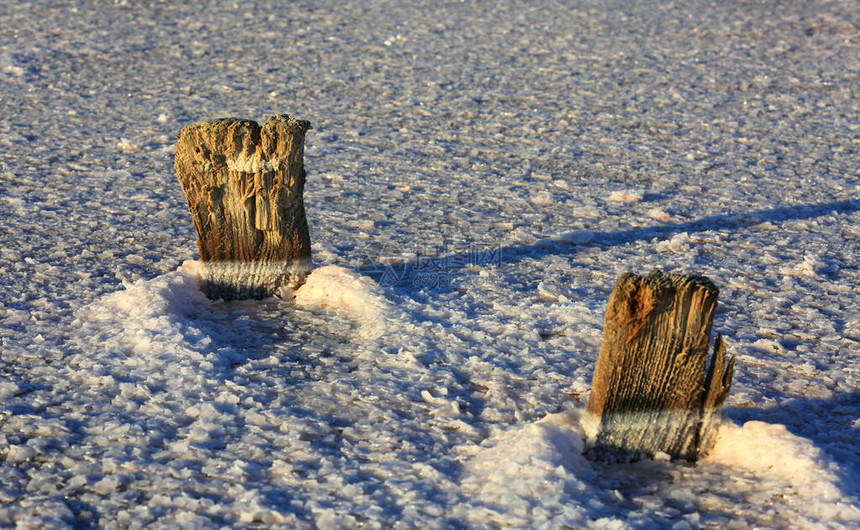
(438, 271)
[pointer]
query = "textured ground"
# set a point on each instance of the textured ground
(492, 170)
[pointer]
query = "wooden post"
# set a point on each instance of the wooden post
(244, 185)
(651, 391)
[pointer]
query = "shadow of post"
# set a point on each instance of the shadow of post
(438, 271)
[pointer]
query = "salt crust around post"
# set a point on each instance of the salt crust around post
(653, 391)
(244, 186)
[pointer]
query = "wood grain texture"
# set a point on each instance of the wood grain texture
(717, 384)
(244, 186)
(650, 388)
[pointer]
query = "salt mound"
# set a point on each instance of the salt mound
(174, 293)
(535, 472)
(788, 464)
(344, 291)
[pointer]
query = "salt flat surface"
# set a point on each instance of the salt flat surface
(478, 177)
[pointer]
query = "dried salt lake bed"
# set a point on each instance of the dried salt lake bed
(479, 175)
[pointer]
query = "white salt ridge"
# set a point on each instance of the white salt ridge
(658, 214)
(780, 461)
(8, 389)
(628, 196)
(149, 314)
(575, 237)
(174, 294)
(536, 475)
(341, 290)
(810, 266)
(127, 146)
(531, 475)
(676, 244)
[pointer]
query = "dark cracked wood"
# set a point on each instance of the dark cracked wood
(652, 389)
(244, 186)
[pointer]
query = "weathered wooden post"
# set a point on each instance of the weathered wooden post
(652, 390)
(244, 185)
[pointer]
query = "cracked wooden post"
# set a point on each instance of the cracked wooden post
(244, 185)
(652, 389)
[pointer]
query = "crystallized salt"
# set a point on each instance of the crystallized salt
(575, 237)
(478, 177)
(631, 196)
(337, 289)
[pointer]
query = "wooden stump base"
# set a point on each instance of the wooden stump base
(653, 390)
(251, 280)
(244, 186)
